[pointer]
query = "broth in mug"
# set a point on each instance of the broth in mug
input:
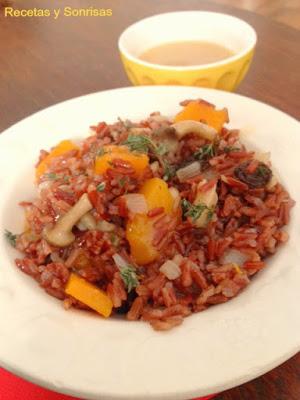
(186, 53)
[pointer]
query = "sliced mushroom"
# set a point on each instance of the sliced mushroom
(183, 128)
(166, 135)
(61, 235)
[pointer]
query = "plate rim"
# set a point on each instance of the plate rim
(51, 386)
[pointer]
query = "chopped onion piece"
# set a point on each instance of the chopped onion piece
(177, 259)
(120, 261)
(233, 256)
(183, 128)
(176, 197)
(154, 166)
(170, 269)
(209, 199)
(105, 226)
(188, 172)
(209, 174)
(263, 157)
(136, 203)
(44, 186)
(272, 182)
(56, 258)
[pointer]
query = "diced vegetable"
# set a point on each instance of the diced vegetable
(201, 111)
(140, 230)
(178, 258)
(60, 149)
(188, 172)
(136, 203)
(154, 166)
(157, 194)
(89, 295)
(119, 261)
(234, 256)
(170, 269)
(176, 198)
(139, 233)
(104, 161)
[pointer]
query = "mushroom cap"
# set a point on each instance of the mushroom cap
(185, 127)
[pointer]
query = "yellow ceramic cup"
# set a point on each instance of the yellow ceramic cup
(223, 29)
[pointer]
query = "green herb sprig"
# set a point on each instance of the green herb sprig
(144, 144)
(129, 277)
(101, 152)
(195, 210)
(101, 187)
(263, 171)
(115, 240)
(229, 149)
(51, 176)
(205, 152)
(140, 144)
(11, 238)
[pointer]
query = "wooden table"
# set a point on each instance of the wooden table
(43, 61)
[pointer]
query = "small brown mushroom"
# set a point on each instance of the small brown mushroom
(61, 234)
(183, 128)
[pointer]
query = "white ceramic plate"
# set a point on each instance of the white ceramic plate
(84, 355)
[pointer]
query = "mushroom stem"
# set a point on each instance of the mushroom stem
(61, 235)
(87, 222)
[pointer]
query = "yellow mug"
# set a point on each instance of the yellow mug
(226, 30)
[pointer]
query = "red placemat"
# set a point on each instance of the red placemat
(15, 388)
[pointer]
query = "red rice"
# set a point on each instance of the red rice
(249, 220)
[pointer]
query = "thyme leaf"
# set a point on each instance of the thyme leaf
(195, 210)
(129, 277)
(205, 152)
(101, 187)
(11, 238)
